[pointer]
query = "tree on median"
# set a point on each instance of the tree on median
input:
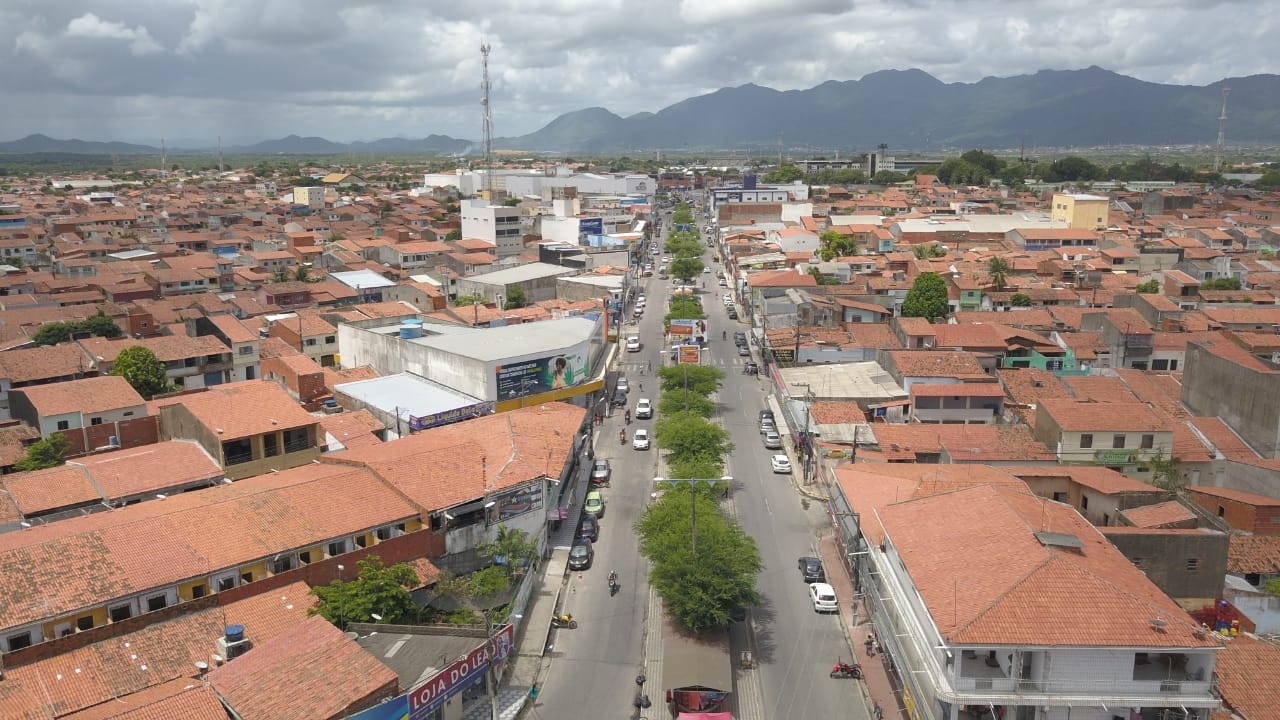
(686, 268)
(700, 379)
(687, 436)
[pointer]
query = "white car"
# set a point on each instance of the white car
(638, 311)
(640, 441)
(824, 597)
(781, 463)
(706, 271)
(633, 344)
(644, 409)
(642, 300)
(623, 385)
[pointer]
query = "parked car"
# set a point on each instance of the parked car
(811, 569)
(740, 338)
(733, 314)
(724, 283)
(644, 409)
(823, 596)
(581, 555)
(706, 270)
(594, 504)
(633, 344)
(767, 424)
(589, 529)
(766, 413)
(751, 369)
(744, 351)
(640, 441)
(642, 300)
(600, 472)
(780, 463)
(619, 398)
(772, 440)
(638, 312)
(623, 385)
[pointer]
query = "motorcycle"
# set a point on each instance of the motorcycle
(613, 584)
(627, 415)
(564, 621)
(622, 437)
(843, 669)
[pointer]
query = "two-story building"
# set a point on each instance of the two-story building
(189, 362)
(957, 404)
(40, 366)
(311, 335)
(1121, 435)
(95, 412)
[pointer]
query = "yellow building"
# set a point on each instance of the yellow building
(1082, 212)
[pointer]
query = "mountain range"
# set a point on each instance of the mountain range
(907, 109)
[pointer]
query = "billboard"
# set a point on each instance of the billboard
(693, 330)
(518, 502)
(688, 354)
(458, 676)
(397, 708)
(591, 226)
(533, 377)
(422, 422)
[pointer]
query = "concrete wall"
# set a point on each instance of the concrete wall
(1259, 520)
(1245, 399)
(388, 354)
(1164, 557)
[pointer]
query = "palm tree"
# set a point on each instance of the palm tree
(997, 267)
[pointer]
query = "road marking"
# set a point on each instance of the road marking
(766, 505)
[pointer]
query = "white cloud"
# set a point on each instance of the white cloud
(89, 25)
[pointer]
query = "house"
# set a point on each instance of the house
(990, 598)
(249, 427)
(286, 295)
(1081, 211)
(963, 403)
(1245, 511)
(1113, 434)
(189, 362)
(40, 366)
(312, 335)
(95, 412)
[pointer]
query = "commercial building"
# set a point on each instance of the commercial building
(497, 224)
(1082, 212)
(536, 280)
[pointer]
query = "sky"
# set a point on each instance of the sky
(190, 71)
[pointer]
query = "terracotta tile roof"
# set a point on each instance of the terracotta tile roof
(1224, 439)
(938, 363)
(1158, 515)
(149, 468)
(970, 389)
(167, 348)
(176, 698)
(89, 396)
(1253, 554)
(13, 441)
(243, 409)
(1098, 388)
(292, 676)
(1248, 673)
(337, 376)
(353, 429)
(964, 443)
(102, 678)
(987, 579)
(41, 491)
(32, 364)
(1099, 479)
(235, 330)
(836, 412)
(1239, 496)
(1084, 416)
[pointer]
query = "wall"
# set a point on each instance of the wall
(387, 354)
(1257, 519)
(130, 433)
(1245, 399)
(1163, 556)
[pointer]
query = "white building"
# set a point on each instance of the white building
(990, 599)
(497, 224)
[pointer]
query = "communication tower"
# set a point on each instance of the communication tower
(488, 120)
(1222, 131)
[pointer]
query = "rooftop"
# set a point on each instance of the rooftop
(243, 409)
(843, 381)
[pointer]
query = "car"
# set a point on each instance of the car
(594, 504)
(811, 569)
(766, 413)
(623, 385)
(600, 472)
(619, 398)
(648, 272)
(823, 597)
(744, 351)
(751, 369)
(780, 463)
(740, 338)
(767, 425)
(644, 409)
(640, 441)
(724, 283)
(728, 301)
(733, 314)
(706, 271)
(772, 440)
(581, 555)
(638, 312)
(633, 344)
(589, 529)
(642, 300)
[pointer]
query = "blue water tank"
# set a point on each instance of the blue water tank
(410, 329)
(749, 181)
(234, 633)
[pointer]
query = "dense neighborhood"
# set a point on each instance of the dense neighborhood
(1024, 438)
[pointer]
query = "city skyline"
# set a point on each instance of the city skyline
(192, 71)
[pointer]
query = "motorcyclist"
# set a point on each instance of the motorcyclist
(724, 334)
(622, 437)
(627, 415)
(613, 578)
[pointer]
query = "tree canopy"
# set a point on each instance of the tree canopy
(686, 268)
(59, 332)
(377, 590)
(836, 244)
(143, 370)
(700, 379)
(927, 297)
(687, 437)
(515, 298)
(46, 453)
(783, 175)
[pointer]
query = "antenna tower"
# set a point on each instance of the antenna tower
(1222, 131)
(488, 120)
(164, 172)
(219, 154)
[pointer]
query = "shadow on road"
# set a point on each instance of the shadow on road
(762, 617)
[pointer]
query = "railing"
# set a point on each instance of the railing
(239, 458)
(297, 445)
(1083, 688)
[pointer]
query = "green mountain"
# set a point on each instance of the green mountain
(43, 144)
(911, 109)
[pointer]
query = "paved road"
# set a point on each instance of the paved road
(593, 668)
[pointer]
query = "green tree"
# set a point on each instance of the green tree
(1072, 168)
(684, 307)
(783, 175)
(1272, 587)
(676, 401)
(930, 250)
(685, 268)
(888, 177)
(836, 244)
(1229, 283)
(453, 235)
(702, 588)
(468, 300)
(992, 164)
(511, 549)
(46, 453)
(280, 275)
(142, 369)
(1167, 472)
(59, 332)
(377, 590)
(515, 297)
(687, 436)
(1020, 300)
(927, 297)
(956, 171)
(699, 379)
(488, 582)
(1149, 287)
(301, 273)
(997, 268)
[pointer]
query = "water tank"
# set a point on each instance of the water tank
(234, 633)
(749, 181)
(410, 329)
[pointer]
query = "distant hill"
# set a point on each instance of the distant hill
(43, 144)
(912, 109)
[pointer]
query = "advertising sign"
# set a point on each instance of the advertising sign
(591, 226)
(533, 377)
(695, 330)
(688, 354)
(518, 502)
(397, 708)
(450, 416)
(455, 678)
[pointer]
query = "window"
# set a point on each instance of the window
(1222, 511)
(1086, 441)
(337, 548)
(1060, 497)
(246, 578)
(84, 623)
(245, 350)
(156, 602)
(330, 339)
(1159, 364)
(63, 425)
(1193, 564)
(226, 583)
(1148, 442)
(19, 641)
(304, 557)
(1117, 442)
(120, 613)
(1084, 502)
(382, 533)
(270, 445)
(310, 342)
(198, 591)
(95, 421)
(284, 564)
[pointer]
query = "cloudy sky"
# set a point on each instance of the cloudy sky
(248, 70)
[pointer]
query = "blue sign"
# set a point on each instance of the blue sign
(591, 226)
(397, 708)
(450, 416)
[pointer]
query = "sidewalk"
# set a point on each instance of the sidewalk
(879, 686)
(531, 643)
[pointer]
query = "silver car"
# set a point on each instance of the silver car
(772, 440)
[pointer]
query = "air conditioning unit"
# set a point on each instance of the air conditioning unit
(232, 650)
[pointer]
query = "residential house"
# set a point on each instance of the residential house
(312, 335)
(1244, 511)
(1122, 434)
(957, 404)
(91, 413)
(40, 366)
(245, 355)
(189, 362)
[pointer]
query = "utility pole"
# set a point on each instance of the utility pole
(693, 500)
(1222, 130)
(488, 120)
(808, 413)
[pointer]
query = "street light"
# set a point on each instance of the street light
(693, 500)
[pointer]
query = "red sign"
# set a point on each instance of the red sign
(690, 354)
(455, 678)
